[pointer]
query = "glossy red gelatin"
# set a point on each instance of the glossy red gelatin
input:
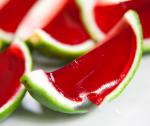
(67, 26)
(107, 16)
(12, 66)
(99, 72)
(13, 12)
(143, 9)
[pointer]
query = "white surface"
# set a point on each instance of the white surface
(132, 108)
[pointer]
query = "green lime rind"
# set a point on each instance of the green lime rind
(86, 8)
(50, 47)
(3, 45)
(12, 104)
(5, 39)
(15, 101)
(43, 91)
(134, 21)
(45, 43)
(146, 46)
(98, 35)
(94, 31)
(27, 54)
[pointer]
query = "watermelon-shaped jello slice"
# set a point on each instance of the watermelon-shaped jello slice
(11, 14)
(14, 62)
(62, 33)
(104, 14)
(98, 76)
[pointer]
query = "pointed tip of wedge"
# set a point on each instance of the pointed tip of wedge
(46, 94)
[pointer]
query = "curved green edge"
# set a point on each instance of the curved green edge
(5, 39)
(3, 44)
(96, 37)
(5, 111)
(52, 48)
(40, 95)
(50, 102)
(139, 35)
(88, 21)
(146, 46)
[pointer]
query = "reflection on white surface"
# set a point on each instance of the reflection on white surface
(132, 108)
(31, 105)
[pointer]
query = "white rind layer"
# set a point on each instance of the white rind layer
(49, 40)
(39, 78)
(38, 16)
(88, 18)
(6, 36)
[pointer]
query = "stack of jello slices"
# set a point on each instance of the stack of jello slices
(106, 51)
(15, 60)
